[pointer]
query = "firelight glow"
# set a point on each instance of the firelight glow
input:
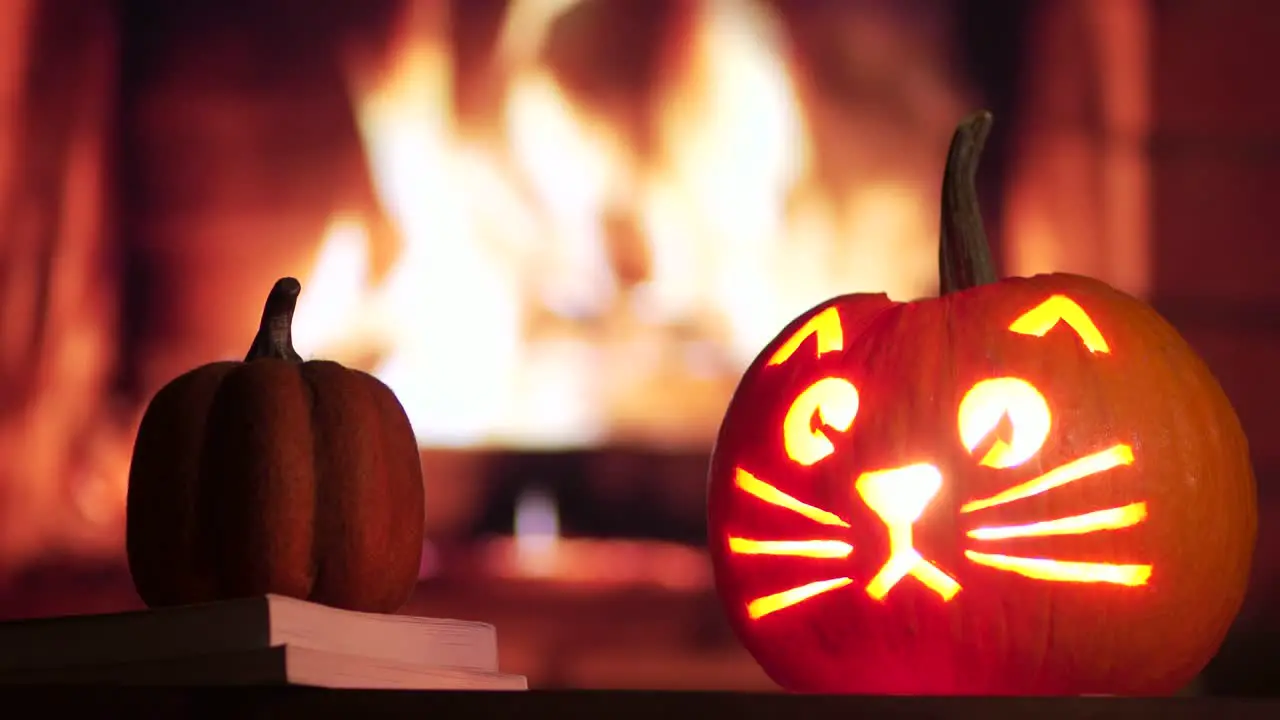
(899, 496)
(1039, 320)
(834, 401)
(990, 401)
(826, 329)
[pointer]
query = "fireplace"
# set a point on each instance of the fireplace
(559, 230)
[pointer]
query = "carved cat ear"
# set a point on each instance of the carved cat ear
(1039, 320)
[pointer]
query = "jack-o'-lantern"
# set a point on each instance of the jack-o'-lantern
(1024, 486)
(275, 475)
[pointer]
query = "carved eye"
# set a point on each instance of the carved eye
(1008, 416)
(830, 402)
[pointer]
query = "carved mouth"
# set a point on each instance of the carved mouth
(898, 496)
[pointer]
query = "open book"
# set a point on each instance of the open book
(298, 639)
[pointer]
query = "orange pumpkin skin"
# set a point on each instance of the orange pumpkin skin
(1001, 631)
(275, 476)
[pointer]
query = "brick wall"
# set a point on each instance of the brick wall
(1215, 171)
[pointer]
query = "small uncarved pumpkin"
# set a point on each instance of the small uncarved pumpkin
(275, 475)
(1025, 486)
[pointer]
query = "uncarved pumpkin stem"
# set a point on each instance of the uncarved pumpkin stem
(964, 257)
(275, 332)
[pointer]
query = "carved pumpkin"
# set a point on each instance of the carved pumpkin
(275, 475)
(1024, 486)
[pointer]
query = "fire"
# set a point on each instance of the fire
(551, 284)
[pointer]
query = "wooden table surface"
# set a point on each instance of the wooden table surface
(602, 705)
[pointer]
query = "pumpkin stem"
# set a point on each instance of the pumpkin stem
(275, 331)
(964, 257)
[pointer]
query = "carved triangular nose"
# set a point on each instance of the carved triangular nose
(900, 495)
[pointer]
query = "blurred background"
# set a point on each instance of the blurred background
(560, 229)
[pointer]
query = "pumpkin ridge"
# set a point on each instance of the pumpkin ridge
(387, 407)
(319, 472)
(159, 501)
(249, 485)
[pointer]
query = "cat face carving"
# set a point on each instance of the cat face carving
(976, 493)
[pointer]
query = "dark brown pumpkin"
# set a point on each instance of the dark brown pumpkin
(275, 475)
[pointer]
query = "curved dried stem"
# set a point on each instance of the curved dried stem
(275, 331)
(964, 257)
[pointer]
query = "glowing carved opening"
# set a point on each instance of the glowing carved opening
(1086, 466)
(792, 548)
(898, 497)
(834, 401)
(762, 490)
(990, 402)
(1109, 519)
(1042, 318)
(768, 604)
(1062, 571)
(826, 328)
